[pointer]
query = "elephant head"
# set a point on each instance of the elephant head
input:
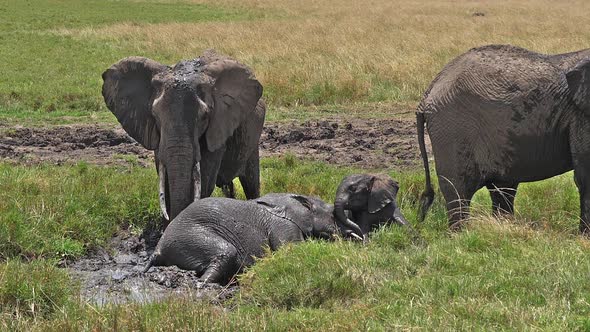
(179, 111)
(314, 217)
(369, 193)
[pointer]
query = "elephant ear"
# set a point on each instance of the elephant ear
(127, 91)
(578, 81)
(383, 192)
(235, 94)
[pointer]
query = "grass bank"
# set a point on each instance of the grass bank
(527, 273)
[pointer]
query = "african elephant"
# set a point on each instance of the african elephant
(202, 118)
(500, 115)
(370, 200)
(218, 237)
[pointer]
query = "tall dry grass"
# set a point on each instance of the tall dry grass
(315, 52)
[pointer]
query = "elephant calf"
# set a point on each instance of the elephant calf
(366, 201)
(218, 237)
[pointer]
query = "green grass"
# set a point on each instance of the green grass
(527, 273)
(49, 75)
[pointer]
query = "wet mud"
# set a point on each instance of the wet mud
(113, 275)
(382, 143)
(71, 144)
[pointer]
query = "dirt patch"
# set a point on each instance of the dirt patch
(114, 275)
(382, 143)
(59, 145)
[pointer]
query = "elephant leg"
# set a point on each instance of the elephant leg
(502, 198)
(582, 179)
(251, 179)
(222, 267)
(210, 163)
(228, 190)
(457, 192)
(580, 150)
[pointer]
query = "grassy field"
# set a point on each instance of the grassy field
(527, 273)
(314, 58)
(304, 52)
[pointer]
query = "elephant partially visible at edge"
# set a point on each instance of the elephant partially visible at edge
(202, 118)
(499, 115)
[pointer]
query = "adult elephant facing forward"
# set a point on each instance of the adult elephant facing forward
(499, 115)
(202, 118)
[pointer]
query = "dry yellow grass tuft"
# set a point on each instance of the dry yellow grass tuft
(335, 51)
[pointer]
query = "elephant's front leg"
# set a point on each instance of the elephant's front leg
(580, 148)
(582, 179)
(210, 163)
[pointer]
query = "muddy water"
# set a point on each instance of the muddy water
(114, 275)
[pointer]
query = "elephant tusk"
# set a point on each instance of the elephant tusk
(162, 195)
(197, 181)
(356, 236)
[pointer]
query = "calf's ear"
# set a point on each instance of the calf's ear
(383, 192)
(578, 81)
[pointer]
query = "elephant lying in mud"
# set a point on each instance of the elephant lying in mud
(366, 201)
(500, 115)
(218, 237)
(202, 118)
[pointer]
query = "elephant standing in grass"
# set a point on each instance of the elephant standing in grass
(202, 118)
(366, 201)
(218, 237)
(500, 115)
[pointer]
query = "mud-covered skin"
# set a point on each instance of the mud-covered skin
(366, 201)
(500, 115)
(202, 118)
(218, 237)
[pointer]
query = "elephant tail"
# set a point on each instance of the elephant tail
(153, 261)
(427, 196)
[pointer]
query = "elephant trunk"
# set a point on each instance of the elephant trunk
(399, 218)
(348, 227)
(181, 182)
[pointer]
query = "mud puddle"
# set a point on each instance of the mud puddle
(364, 143)
(114, 275)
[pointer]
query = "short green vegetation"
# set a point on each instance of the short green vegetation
(48, 73)
(527, 273)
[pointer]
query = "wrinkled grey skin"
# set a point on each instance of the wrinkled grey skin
(218, 237)
(500, 115)
(366, 201)
(202, 118)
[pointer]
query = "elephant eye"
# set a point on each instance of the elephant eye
(353, 187)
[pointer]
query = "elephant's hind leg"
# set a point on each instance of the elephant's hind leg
(457, 192)
(222, 267)
(251, 179)
(502, 198)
